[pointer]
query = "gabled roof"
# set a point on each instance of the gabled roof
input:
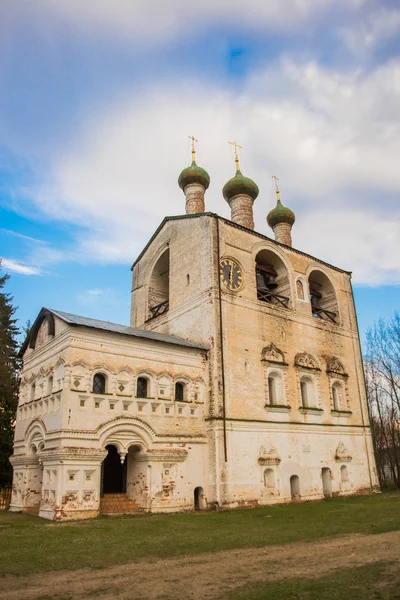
(78, 321)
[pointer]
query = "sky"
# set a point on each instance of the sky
(98, 98)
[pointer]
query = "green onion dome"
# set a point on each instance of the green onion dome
(280, 214)
(240, 185)
(194, 174)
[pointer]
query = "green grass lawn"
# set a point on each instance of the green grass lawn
(373, 582)
(30, 544)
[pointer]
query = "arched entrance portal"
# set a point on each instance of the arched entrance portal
(114, 473)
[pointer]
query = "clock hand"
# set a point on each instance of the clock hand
(230, 275)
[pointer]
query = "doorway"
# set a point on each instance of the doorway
(295, 487)
(114, 473)
(327, 482)
(199, 498)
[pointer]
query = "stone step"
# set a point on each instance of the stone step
(33, 510)
(112, 496)
(118, 504)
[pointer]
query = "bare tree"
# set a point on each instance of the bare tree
(382, 369)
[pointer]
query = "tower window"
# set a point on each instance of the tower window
(300, 289)
(141, 387)
(306, 390)
(271, 390)
(336, 396)
(99, 384)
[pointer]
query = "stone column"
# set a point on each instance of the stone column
(242, 210)
(194, 193)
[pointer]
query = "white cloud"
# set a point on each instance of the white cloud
(379, 25)
(154, 22)
(18, 267)
(332, 138)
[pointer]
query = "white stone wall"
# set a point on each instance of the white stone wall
(249, 326)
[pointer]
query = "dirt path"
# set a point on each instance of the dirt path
(205, 576)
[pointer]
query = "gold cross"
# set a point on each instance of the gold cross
(275, 178)
(191, 137)
(236, 146)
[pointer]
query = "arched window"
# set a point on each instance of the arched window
(179, 391)
(99, 383)
(274, 389)
(50, 384)
(142, 387)
(158, 294)
(272, 280)
(300, 289)
(33, 391)
(306, 390)
(336, 396)
(269, 478)
(344, 474)
(323, 297)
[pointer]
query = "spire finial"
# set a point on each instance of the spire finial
(236, 146)
(191, 137)
(278, 194)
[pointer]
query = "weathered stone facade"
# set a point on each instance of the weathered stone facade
(212, 396)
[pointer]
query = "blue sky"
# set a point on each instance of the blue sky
(97, 99)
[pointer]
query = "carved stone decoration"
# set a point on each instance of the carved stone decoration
(342, 454)
(333, 365)
(170, 455)
(272, 354)
(268, 457)
(305, 360)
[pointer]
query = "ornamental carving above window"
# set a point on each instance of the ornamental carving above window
(342, 454)
(334, 365)
(273, 354)
(303, 359)
(268, 457)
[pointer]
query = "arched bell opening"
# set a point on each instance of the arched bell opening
(272, 279)
(158, 293)
(114, 472)
(323, 297)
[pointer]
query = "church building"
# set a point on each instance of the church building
(239, 381)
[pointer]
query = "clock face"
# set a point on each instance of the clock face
(231, 274)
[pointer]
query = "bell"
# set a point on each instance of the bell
(315, 302)
(270, 281)
(261, 287)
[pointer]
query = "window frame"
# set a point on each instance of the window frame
(105, 379)
(147, 388)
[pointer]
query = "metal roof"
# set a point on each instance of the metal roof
(76, 320)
